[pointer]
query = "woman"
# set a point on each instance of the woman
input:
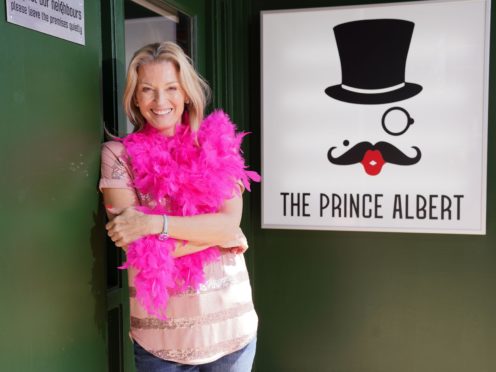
(162, 186)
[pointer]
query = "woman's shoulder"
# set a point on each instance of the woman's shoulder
(114, 150)
(114, 146)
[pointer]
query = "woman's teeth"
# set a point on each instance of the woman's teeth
(162, 112)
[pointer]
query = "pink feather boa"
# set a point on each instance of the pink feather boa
(193, 180)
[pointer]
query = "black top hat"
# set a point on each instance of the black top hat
(373, 56)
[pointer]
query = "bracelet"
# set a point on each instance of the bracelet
(164, 235)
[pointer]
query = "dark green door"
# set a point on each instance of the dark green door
(52, 316)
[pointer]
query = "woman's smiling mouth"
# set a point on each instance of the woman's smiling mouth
(162, 112)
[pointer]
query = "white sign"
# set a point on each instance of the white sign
(374, 118)
(63, 19)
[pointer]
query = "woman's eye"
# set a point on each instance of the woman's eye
(172, 89)
(145, 89)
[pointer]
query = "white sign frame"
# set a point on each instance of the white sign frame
(279, 145)
(62, 19)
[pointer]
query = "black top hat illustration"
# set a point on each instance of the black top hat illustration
(373, 56)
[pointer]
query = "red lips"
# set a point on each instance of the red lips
(372, 162)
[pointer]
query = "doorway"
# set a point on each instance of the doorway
(127, 25)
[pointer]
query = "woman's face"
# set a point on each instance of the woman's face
(159, 96)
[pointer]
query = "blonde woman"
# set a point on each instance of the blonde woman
(208, 323)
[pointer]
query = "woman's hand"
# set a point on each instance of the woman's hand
(130, 225)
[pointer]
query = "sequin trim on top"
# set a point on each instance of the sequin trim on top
(186, 355)
(154, 323)
(118, 170)
(214, 285)
(211, 285)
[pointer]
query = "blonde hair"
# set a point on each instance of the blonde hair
(194, 86)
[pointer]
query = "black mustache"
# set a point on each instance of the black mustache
(389, 152)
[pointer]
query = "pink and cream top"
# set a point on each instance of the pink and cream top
(202, 325)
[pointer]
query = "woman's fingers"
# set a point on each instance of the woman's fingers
(119, 238)
(122, 234)
(119, 241)
(109, 225)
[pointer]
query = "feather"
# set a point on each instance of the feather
(182, 179)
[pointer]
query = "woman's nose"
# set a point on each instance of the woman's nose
(161, 96)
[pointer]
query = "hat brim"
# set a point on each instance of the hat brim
(406, 91)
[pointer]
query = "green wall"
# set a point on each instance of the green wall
(52, 271)
(371, 302)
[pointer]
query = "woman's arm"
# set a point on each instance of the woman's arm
(212, 227)
(201, 231)
(115, 184)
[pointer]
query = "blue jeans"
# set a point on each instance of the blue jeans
(239, 361)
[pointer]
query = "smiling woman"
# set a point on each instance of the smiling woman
(173, 194)
(163, 77)
(160, 97)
